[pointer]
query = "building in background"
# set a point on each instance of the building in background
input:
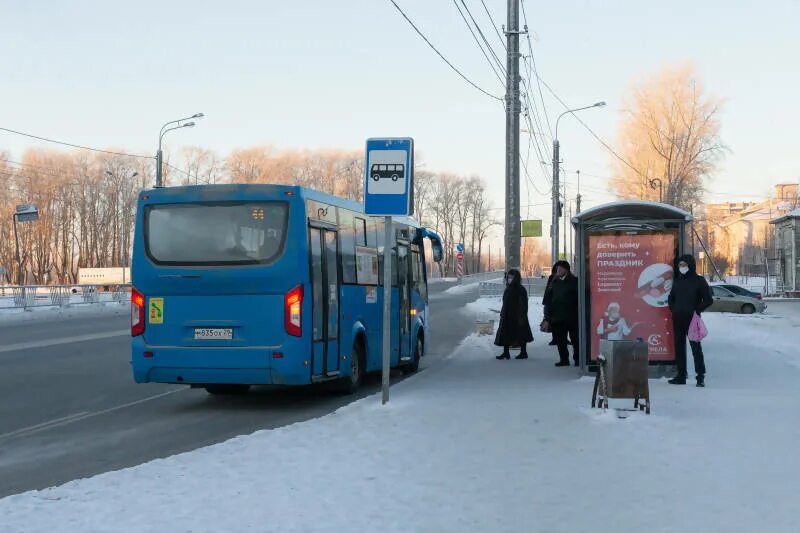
(786, 253)
(740, 233)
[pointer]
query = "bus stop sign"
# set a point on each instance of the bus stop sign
(389, 175)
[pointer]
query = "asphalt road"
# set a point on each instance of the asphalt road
(69, 407)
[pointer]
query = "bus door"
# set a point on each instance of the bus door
(404, 289)
(325, 285)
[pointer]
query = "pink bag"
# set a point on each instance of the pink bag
(697, 329)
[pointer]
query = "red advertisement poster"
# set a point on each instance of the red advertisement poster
(630, 279)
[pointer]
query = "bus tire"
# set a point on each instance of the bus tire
(227, 390)
(419, 348)
(351, 383)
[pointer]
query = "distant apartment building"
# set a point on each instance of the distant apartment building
(786, 256)
(741, 233)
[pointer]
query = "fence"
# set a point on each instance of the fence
(495, 288)
(31, 296)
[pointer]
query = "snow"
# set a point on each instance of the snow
(475, 444)
(469, 286)
(441, 280)
(10, 314)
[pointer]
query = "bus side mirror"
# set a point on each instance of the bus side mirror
(438, 253)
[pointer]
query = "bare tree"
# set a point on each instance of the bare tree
(670, 134)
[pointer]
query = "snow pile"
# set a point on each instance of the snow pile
(475, 444)
(15, 315)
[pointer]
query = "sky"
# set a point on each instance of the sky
(331, 74)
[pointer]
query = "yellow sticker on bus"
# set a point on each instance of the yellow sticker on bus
(156, 310)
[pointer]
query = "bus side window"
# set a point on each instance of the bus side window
(381, 237)
(348, 246)
(372, 232)
(361, 231)
(418, 276)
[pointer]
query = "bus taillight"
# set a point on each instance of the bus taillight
(293, 309)
(137, 313)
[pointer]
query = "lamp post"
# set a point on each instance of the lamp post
(164, 130)
(555, 191)
(657, 183)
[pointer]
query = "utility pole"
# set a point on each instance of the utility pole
(556, 206)
(564, 210)
(578, 197)
(513, 237)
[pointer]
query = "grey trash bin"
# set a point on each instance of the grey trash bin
(622, 373)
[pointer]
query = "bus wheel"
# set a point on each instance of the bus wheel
(418, 351)
(351, 383)
(227, 390)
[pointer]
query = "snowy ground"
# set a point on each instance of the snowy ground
(44, 313)
(476, 444)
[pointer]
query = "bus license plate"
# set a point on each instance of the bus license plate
(223, 334)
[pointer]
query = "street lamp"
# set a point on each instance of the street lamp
(554, 223)
(164, 130)
(657, 183)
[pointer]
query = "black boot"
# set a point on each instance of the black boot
(522, 355)
(701, 380)
(503, 356)
(552, 343)
(562, 363)
(677, 381)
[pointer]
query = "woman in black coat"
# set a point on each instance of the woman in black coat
(514, 329)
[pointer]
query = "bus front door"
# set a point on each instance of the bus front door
(325, 285)
(404, 288)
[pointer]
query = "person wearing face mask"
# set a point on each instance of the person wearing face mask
(561, 312)
(690, 294)
(514, 328)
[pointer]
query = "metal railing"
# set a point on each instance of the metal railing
(495, 288)
(30, 296)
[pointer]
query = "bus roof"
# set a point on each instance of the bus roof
(179, 193)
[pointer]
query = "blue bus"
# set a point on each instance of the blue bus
(240, 285)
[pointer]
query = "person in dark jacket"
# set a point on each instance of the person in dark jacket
(561, 312)
(514, 328)
(690, 294)
(546, 289)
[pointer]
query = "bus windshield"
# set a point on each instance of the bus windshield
(216, 234)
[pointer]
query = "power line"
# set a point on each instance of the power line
(497, 31)
(480, 46)
(533, 65)
(442, 57)
(485, 40)
(74, 145)
(591, 131)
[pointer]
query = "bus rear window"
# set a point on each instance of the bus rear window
(248, 233)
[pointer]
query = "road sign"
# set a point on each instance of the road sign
(459, 247)
(389, 175)
(531, 228)
(27, 213)
(459, 256)
(28, 217)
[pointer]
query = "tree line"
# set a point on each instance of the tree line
(87, 202)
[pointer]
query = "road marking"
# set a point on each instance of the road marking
(63, 340)
(64, 420)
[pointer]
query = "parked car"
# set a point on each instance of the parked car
(741, 291)
(726, 301)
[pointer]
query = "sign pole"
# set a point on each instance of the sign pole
(387, 307)
(388, 192)
(19, 260)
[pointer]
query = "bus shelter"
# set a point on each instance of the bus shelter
(625, 253)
